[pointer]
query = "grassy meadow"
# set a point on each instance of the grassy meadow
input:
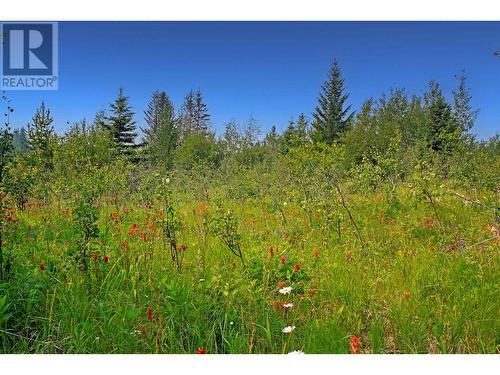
(413, 283)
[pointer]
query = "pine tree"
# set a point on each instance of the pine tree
(442, 126)
(194, 115)
(100, 120)
(41, 135)
(159, 109)
(463, 113)
(331, 116)
(201, 115)
(161, 135)
(122, 125)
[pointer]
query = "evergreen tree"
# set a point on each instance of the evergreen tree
(331, 116)
(41, 136)
(159, 109)
(194, 116)
(122, 125)
(100, 120)
(442, 127)
(296, 133)
(161, 135)
(463, 113)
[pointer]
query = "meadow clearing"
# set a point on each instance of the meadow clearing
(373, 233)
(413, 283)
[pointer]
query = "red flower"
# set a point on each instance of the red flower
(133, 231)
(281, 284)
(406, 294)
(312, 292)
(283, 259)
(347, 256)
(143, 235)
(277, 305)
(355, 344)
(296, 268)
(149, 312)
(106, 258)
(42, 266)
(124, 245)
(95, 256)
(201, 351)
(315, 252)
(182, 247)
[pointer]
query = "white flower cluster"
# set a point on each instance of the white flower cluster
(286, 290)
(288, 329)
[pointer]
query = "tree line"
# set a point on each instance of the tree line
(378, 137)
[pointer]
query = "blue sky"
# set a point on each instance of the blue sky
(269, 71)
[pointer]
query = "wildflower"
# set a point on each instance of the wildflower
(281, 284)
(315, 252)
(311, 292)
(271, 249)
(182, 247)
(347, 255)
(296, 268)
(406, 294)
(124, 245)
(286, 290)
(231, 323)
(297, 352)
(283, 259)
(288, 329)
(355, 344)
(143, 235)
(133, 231)
(201, 351)
(287, 305)
(95, 256)
(277, 305)
(149, 313)
(106, 258)
(42, 266)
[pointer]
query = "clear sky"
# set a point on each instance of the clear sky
(269, 71)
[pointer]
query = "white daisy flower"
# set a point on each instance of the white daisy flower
(286, 290)
(288, 305)
(297, 352)
(288, 329)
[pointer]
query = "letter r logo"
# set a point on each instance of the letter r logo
(27, 49)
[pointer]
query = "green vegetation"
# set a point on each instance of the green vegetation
(373, 232)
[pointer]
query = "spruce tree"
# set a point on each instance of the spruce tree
(41, 135)
(442, 127)
(159, 109)
(463, 113)
(331, 116)
(194, 115)
(122, 125)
